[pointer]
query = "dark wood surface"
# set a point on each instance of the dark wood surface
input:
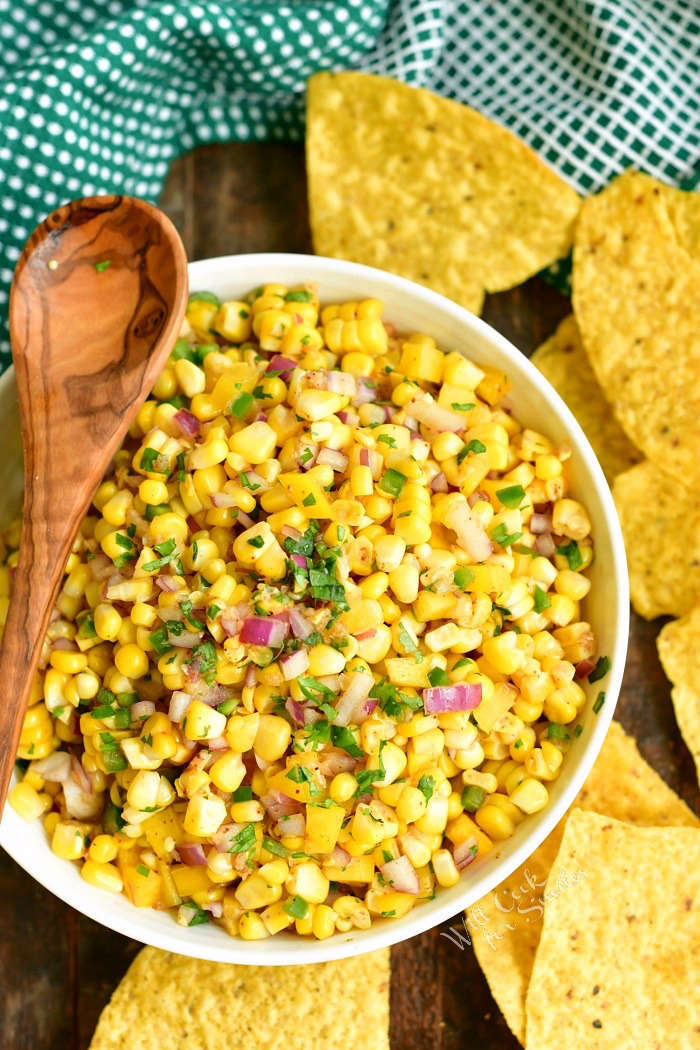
(57, 968)
(98, 297)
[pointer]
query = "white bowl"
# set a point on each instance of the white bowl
(411, 308)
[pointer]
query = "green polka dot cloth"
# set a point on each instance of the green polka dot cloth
(99, 96)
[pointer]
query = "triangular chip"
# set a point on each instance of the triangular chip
(660, 521)
(617, 963)
(563, 361)
(679, 649)
(505, 926)
(637, 302)
(167, 1001)
(429, 188)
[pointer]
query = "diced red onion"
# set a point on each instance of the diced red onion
(284, 365)
(294, 664)
(100, 566)
(465, 853)
(245, 519)
(217, 743)
(223, 837)
(439, 483)
(368, 706)
(263, 630)
(213, 695)
(251, 676)
(222, 499)
(340, 857)
(348, 416)
(216, 908)
(471, 535)
(167, 583)
(539, 523)
(464, 696)
(306, 456)
(279, 805)
(366, 392)
(338, 461)
(232, 617)
(64, 644)
(369, 457)
(296, 710)
(192, 854)
(300, 560)
(434, 416)
(292, 824)
(356, 691)
(188, 424)
(179, 702)
(301, 628)
(290, 532)
(55, 767)
(142, 709)
(544, 545)
(401, 876)
(342, 383)
(332, 762)
(584, 668)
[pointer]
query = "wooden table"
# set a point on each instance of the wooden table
(57, 968)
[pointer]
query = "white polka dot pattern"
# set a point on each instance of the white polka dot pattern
(99, 96)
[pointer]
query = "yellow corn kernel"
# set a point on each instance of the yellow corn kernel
(308, 881)
(325, 660)
(27, 802)
(323, 922)
(233, 321)
(497, 824)
(445, 868)
(202, 722)
(272, 737)
(342, 787)
(404, 582)
(68, 662)
(190, 376)
(204, 815)
(251, 926)
(103, 875)
(103, 849)
(241, 731)
(228, 772)
(131, 661)
(68, 840)
(411, 805)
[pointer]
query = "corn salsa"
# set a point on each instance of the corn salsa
(319, 643)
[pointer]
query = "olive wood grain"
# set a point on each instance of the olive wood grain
(98, 297)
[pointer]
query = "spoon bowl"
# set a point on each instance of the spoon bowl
(97, 299)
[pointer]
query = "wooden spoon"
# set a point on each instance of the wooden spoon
(97, 300)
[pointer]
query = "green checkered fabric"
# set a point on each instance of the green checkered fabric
(99, 96)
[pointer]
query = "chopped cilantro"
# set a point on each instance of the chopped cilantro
(298, 295)
(143, 870)
(438, 677)
(206, 654)
(296, 907)
(500, 535)
(472, 798)
(393, 482)
(102, 266)
(310, 500)
(477, 447)
(512, 496)
(463, 576)
(426, 784)
(344, 738)
(599, 701)
(154, 509)
(167, 552)
(204, 297)
(572, 554)
(387, 440)
(256, 541)
(241, 406)
(243, 840)
(408, 643)
(200, 916)
(243, 793)
(213, 611)
(557, 732)
(149, 458)
(542, 599)
(600, 670)
(391, 701)
(275, 847)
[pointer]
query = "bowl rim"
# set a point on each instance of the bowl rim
(430, 914)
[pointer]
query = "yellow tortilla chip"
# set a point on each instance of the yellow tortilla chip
(428, 188)
(660, 521)
(505, 926)
(679, 649)
(563, 361)
(170, 1001)
(617, 964)
(637, 300)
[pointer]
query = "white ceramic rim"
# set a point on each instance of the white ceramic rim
(448, 903)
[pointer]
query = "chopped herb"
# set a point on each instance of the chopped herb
(204, 297)
(247, 483)
(153, 510)
(114, 761)
(344, 738)
(391, 701)
(149, 458)
(542, 599)
(463, 662)
(241, 406)
(213, 611)
(318, 734)
(86, 625)
(256, 541)
(200, 916)
(310, 500)
(477, 447)
(500, 535)
(275, 847)
(577, 731)
(572, 554)
(426, 784)
(438, 677)
(298, 295)
(143, 870)
(296, 907)
(243, 793)
(228, 706)
(178, 401)
(366, 777)
(599, 701)
(102, 266)
(387, 440)
(600, 670)
(472, 798)
(557, 732)
(518, 744)
(301, 775)
(260, 394)
(388, 914)
(530, 552)
(112, 820)
(306, 455)
(243, 840)
(393, 482)
(180, 464)
(125, 699)
(103, 711)
(409, 644)
(183, 350)
(206, 654)
(58, 711)
(463, 406)
(463, 576)
(512, 496)
(167, 550)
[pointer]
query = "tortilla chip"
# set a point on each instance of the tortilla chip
(429, 188)
(170, 1001)
(563, 361)
(679, 649)
(617, 964)
(660, 521)
(506, 925)
(637, 300)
